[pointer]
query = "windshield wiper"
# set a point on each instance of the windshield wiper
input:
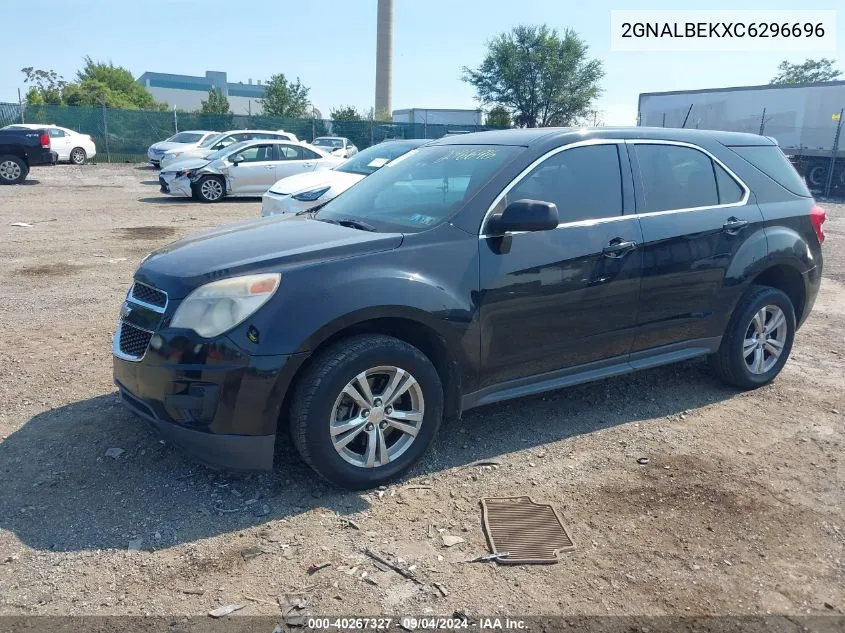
(349, 223)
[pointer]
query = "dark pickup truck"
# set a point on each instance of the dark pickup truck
(22, 149)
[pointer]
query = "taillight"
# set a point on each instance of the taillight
(817, 217)
(45, 140)
(90, 138)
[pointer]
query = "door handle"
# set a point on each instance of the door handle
(617, 248)
(308, 164)
(734, 225)
(269, 167)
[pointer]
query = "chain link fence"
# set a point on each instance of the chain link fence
(818, 152)
(125, 135)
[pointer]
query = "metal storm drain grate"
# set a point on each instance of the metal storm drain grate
(530, 533)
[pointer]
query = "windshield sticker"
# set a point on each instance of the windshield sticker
(378, 162)
(419, 218)
(468, 154)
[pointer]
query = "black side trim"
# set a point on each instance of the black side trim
(589, 372)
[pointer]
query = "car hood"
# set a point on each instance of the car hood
(185, 163)
(254, 246)
(191, 150)
(313, 179)
(163, 146)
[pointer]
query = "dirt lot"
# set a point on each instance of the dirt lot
(741, 509)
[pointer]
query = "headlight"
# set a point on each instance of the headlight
(185, 174)
(174, 155)
(219, 306)
(310, 196)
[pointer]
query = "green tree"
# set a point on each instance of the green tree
(499, 118)
(811, 70)
(285, 99)
(346, 113)
(101, 82)
(217, 103)
(543, 78)
(45, 86)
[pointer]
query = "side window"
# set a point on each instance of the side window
(729, 189)
(257, 153)
(307, 154)
(584, 182)
(55, 133)
(676, 177)
(288, 152)
(225, 142)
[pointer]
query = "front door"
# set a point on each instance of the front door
(694, 217)
(256, 173)
(60, 142)
(552, 300)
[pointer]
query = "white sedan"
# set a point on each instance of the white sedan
(337, 145)
(180, 140)
(297, 194)
(245, 169)
(220, 141)
(71, 146)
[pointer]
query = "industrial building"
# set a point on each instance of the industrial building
(438, 116)
(187, 92)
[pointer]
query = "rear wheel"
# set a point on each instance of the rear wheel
(366, 410)
(209, 189)
(78, 156)
(758, 339)
(13, 170)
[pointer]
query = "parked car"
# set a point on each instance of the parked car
(69, 146)
(218, 142)
(478, 268)
(179, 141)
(22, 148)
(247, 168)
(337, 145)
(297, 194)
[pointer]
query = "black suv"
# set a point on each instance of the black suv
(477, 268)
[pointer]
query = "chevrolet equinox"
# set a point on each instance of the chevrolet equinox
(474, 269)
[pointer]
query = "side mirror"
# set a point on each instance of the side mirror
(525, 215)
(237, 158)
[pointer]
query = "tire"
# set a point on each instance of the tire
(78, 156)
(320, 402)
(13, 170)
(738, 369)
(210, 189)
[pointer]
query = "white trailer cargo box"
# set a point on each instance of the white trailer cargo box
(802, 117)
(437, 116)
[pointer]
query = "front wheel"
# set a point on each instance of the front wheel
(13, 170)
(758, 339)
(366, 410)
(209, 189)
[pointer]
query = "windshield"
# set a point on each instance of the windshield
(369, 160)
(211, 140)
(185, 137)
(421, 189)
(226, 151)
(328, 142)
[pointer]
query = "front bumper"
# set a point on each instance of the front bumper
(283, 204)
(207, 396)
(175, 186)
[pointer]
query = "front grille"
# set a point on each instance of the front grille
(149, 295)
(133, 340)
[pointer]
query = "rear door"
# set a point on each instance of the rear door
(565, 298)
(695, 214)
(59, 142)
(295, 159)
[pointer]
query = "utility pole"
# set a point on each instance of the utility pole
(106, 130)
(175, 121)
(762, 122)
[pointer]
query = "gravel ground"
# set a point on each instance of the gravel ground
(740, 509)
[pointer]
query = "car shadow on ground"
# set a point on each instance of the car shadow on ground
(149, 182)
(187, 200)
(30, 181)
(64, 491)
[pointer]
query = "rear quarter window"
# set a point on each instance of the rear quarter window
(773, 162)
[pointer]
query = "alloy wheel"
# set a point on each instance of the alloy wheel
(764, 339)
(377, 416)
(211, 189)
